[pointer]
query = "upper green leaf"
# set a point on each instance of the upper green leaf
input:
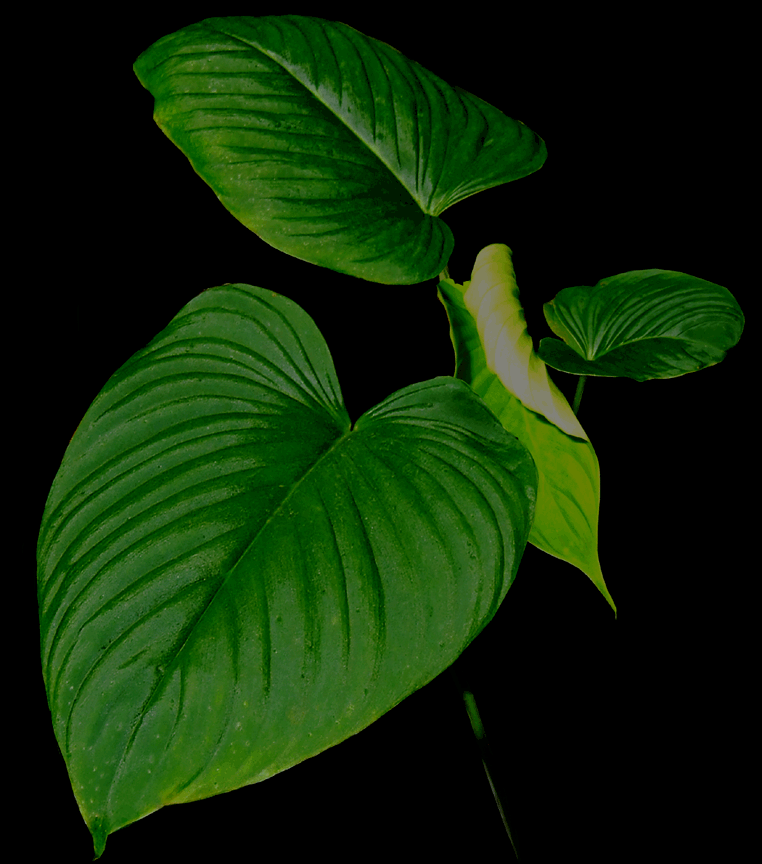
(231, 579)
(330, 145)
(641, 324)
(494, 355)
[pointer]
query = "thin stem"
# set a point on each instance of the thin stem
(481, 739)
(578, 394)
(445, 274)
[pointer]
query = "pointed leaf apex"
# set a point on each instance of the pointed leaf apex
(100, 835)
(602, 588)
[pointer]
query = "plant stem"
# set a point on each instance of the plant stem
(445, 274)
(578, 394)
(481, 739)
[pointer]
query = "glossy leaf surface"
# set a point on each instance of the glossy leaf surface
(330, 145)
(494, 355)
(232, 578)
(642, 324)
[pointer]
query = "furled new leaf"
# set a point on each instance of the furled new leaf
(232, 579)
(641, 324)
(330, 145)
(494, 354)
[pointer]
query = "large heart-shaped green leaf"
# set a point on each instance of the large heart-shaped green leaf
(330, 145)
(641, 324)
(232, 578)
(494, 354)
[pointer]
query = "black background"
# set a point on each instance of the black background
(610, 737)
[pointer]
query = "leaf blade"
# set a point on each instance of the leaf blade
(493, 354)
(231, 579)
(642, 324)
(330, 145)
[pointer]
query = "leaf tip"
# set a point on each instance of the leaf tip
(100, 834)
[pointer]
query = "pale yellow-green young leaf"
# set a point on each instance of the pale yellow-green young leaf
(492, 299)
(495, 356)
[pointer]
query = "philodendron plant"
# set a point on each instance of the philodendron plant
(234, 576)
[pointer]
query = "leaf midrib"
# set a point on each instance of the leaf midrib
(276, 59)
(172, 665)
